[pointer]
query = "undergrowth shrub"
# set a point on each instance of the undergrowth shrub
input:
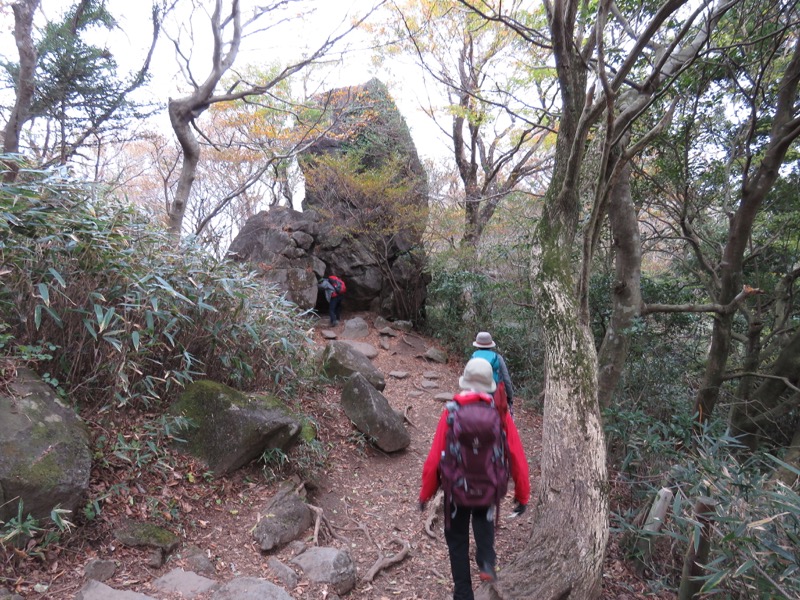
(117, 313)
(490, 296)
(755, 524)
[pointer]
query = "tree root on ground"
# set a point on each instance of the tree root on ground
(387, 561)
(405, 416)
(432, 512)
(321, 520)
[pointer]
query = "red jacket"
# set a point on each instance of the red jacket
(518, 462)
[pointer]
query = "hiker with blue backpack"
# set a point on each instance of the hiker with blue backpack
(474, 449)
(487, 349)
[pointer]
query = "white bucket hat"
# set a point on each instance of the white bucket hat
(478, 376)
(484, 340)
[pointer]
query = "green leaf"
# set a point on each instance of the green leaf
(44, 293)
(57, 276)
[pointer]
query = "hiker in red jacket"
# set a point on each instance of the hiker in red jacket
(477, 385)
(335, 290)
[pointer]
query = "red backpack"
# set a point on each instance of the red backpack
(339, 287)
(474, 467)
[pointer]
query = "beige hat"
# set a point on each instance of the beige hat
(484, 340)
(478, 376)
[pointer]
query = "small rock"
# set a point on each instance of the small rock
(429, 385)
(185, 583)
(198, 561)
(430, 375)
(328, 334)
(385, 343)
(355, 328)
(388, 331)
(379, 323)
(398, 374)
(94, 590)
(404, 326)
(297, 546)
(250, 588)
(147, 534)
(156, 558)
(287, 576)
(366, 349)
(443, 397)
(415, 394)
(436, 355)
(328, 565)
(100, 570)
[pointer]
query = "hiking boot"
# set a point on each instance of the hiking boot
(487, 573)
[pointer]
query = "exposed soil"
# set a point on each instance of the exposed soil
(368, 497)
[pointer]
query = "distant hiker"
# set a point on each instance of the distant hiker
(473, 450)
(335, 290)
(504, 394)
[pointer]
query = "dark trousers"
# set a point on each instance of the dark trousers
(335, 309)
(457, 537)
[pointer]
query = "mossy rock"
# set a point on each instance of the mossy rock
(45, 459)
(148, 535)
(230, 429)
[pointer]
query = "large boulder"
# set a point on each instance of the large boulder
(340, 360)
(229, 429)
(368, 233)
(370, 412)
(45, 456)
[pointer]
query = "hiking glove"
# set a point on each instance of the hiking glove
(519, 509)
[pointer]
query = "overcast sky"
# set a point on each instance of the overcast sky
(290, 39)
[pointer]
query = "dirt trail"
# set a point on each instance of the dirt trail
(368, 497)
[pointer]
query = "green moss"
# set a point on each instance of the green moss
(43, 473)
(147, 534)
(308, 433)
(204, 397)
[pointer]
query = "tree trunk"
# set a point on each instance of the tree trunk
(757, 184)
(180, 115)
(26, 85)
(564, 556)
(767, 403)
(627, 295)
(697, 553)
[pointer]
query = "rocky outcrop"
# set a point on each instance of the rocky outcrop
(364, 212)
(370, 412)
(45, 458)
(280, 244)
(228, 429)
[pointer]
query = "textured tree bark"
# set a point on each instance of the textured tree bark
(626, 294)
(26, 85)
